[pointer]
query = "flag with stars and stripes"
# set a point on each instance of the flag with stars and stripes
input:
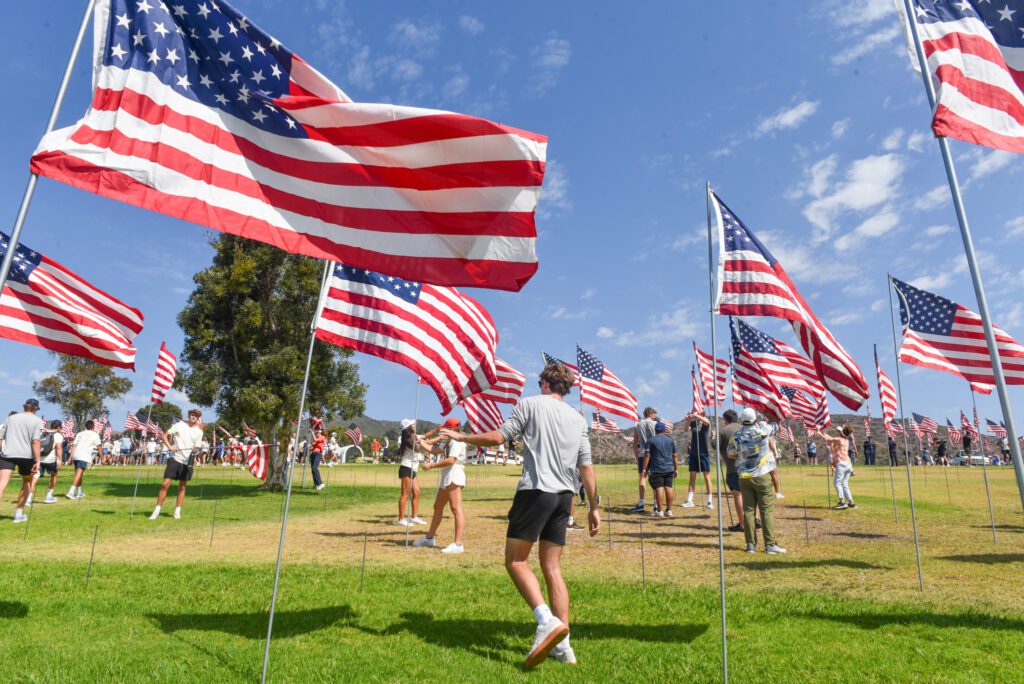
(48, 306)
(955, 436)
(549, 359)
(942, 335)
(199, 114)
(785, 432)
(968, 429)
(604, 424)
(708, 381)
(67, 428)
(440, 334)
(483, 414)
(600, 387)
(886, 394)
(132, 423)
(997, 429)
(927, 425)
(867, 424)
(354, 433)
(784, 365)
(751, 384)
(752, 282)
(698, 403)
(974, 51)
(163, 378)
(507, 386)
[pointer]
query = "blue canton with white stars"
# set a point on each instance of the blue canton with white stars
(929, 313)
(406, 290)
(549, 359)
(1004, 18)
(208, 52)
(756, 341)
(788, 392)
(737, 237)
(24, 262)
(590, 367)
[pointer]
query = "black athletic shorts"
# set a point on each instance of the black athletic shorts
(177, 471)
(705, 464)
(536, 514)
(733, 481)
(406, 471)
(24, 465)
(659, 480)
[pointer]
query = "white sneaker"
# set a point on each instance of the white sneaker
(425, 542)
(177, 515)
(20, 517)
(564, 655)
(547, 636)
(320, 486)
(711, 505)
(774, 550)
(50, 499)
(668, 514)
(751, 548)
(657, 514)
(404, 522)
(418, 521)
(453, 548)
(80, 495)
(687, 504)
(778, 495)
(69, 495)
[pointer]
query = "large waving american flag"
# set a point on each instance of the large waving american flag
(752, 282)
(708, 382)
(886, 394)
(48, 306)
(354, 433)
(997, 429)
(698, 403)
(942, 335)
(483, 414)
(925, 424)
(199, 114)
(67, 428)
(443, 336)
(973, 50)
(751, 384)
(256, 459)
(783, 364)
(600, 387)
(813, 413)
(955, 436)
(166, 369)
(133, 423)
(482, 410)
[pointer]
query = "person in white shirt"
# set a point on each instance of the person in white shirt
(407, 475)
(49, 464)
(449, 487)
(187, 439)
(83, 450)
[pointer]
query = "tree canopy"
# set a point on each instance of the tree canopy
(246, 328)
(82, 387)
(165, 415)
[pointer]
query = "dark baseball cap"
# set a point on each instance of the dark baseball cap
(34, 403)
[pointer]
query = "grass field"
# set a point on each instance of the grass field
(187, 600)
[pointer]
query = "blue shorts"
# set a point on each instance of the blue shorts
(81, 465)
(732, 480)
(705, 464)
(47, 469)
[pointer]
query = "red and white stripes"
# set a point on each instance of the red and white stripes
(166, 369)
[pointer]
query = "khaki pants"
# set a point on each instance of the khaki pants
(758, 493)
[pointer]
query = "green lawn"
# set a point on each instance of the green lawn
(163, 604)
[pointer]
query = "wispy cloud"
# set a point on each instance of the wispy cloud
(935, 198)
(420, 38)
(875, 226)
(549, 59)
(674, 326)
(554, 196)
(563, 313)
(788, 118)
(839, 128)
(867, 184)
(868, 43)
(932, 281)
(471, 25)
(989, 163)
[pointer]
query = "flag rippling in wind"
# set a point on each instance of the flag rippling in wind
(443, 336)
(483, 414)
(354, 433)
(708, 381)
(600, 387)
(256, 458)
(955, 436)
(199, 114)
(482, 409)
(698, 403)
(751, 384)
(926, 424)
(966, 427)
(867, 424)
(166, 369)
(942, 335)
(752, 282)
(996, 429)
(604, 424)
(780, 362)
(886, 394)
(48, 306)
(132, 423)
(974, 53)
(67, 428)
(549, 359)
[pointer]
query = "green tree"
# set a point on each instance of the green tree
(82, 387)
(246, 328)
(165, 415)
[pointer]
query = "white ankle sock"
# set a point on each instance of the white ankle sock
(49, 493)
(542, 613)
(177, 510)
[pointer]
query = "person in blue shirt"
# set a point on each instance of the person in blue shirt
(661, 466)
(812, 452)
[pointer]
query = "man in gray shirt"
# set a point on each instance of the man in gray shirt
(21, 435)
(555, 442)
(642, 434)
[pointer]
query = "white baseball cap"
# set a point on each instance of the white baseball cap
(406, 422)
(748, 415)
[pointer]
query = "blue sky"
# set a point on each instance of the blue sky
(805, 117)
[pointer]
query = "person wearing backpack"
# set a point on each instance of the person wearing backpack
(51, 446)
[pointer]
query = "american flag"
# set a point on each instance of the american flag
(354, 433)
(698, 403)
(928, 426)
(669, 426)
(704, 364)
(785, 432)
(751, 282)
(781, 363)
(813, 413)
(48, 306)
(67, 428)
(132, 423)
(483, 414)
(199, 114)
(886, 394)
(943, 335)
(996, 429)
(867, 424)
(973, 50)
(256, 458)
(436, 332)
(248, 431)
(751, 384)
(107, 432)
(549, 359)
(98, 424)
(508, 386)
(966, 426)
(154, 429)
(600, 387)
(894, 428)
(166, 369)
(603, 424)
(955, 436)
(316, 424)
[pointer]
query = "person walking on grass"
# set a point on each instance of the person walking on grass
(839, 458)
(661, 466)
(22, 433)
(641, 435)
(698, 456)
(555, 441)
(182, 441)
(86, 444)
(732, 477)
(409, 464)
(754, 462)
(812, 451)
(51, 446)
(450, 484)
(316, 455)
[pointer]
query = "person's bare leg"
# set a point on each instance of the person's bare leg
(163, 492)
(693, 483)
(707, 482)
(517, 564)
(775, 481)
(642, 488)
(558, 593)
(77, 480)
(415, 498)
(455, 504)
(5, 477)
(181, 492)
(439, 501)
(737, 501)
(670, 498)
(403, 498)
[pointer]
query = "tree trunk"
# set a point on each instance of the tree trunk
(277, 462)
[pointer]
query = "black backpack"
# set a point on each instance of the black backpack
(46, 443)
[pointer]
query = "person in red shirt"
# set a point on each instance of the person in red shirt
(317, 455)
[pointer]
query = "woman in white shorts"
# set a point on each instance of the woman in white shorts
(449, 488)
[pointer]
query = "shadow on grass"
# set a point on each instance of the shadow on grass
(507, 640)
(287, 623)
(357, 535)
(825, 562)
(860, 535)
(986, 558)
(1008, 528)
(939, 620)
(209, 490)
(13, 609)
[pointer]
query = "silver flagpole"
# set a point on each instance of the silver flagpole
(906, 444)
(26, 198)
(718, 456)
(984, 470)
(972, 263)
(291, 466)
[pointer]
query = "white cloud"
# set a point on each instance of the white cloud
(935, 231)
(989, 163)
(471, 25)
(786, 119)
(933, 199)
(867, 183)
(649, 386)
(605, 333)
(859, 289)
(1015, 226)
(554, 195)
(562, 313)
(932, 282)
(866, 44)
(671, 327)
(1012, 317)
(406, 70)
(839, 128)
(892, 141)
(917, 140)
(694, 237)
(419, 38)
(804, 263)
(846, 15)
(847, 317)
(588, 293)
(549, 59)
(456, 85)
(875, 226)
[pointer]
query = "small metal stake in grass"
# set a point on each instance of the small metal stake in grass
(643, 560)
(608, 513)
(213, 525)
(28, 522)
(88, 576)
(362, 571)
(326, 491)
(135, 494)
(807, 529)
(945, 472)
